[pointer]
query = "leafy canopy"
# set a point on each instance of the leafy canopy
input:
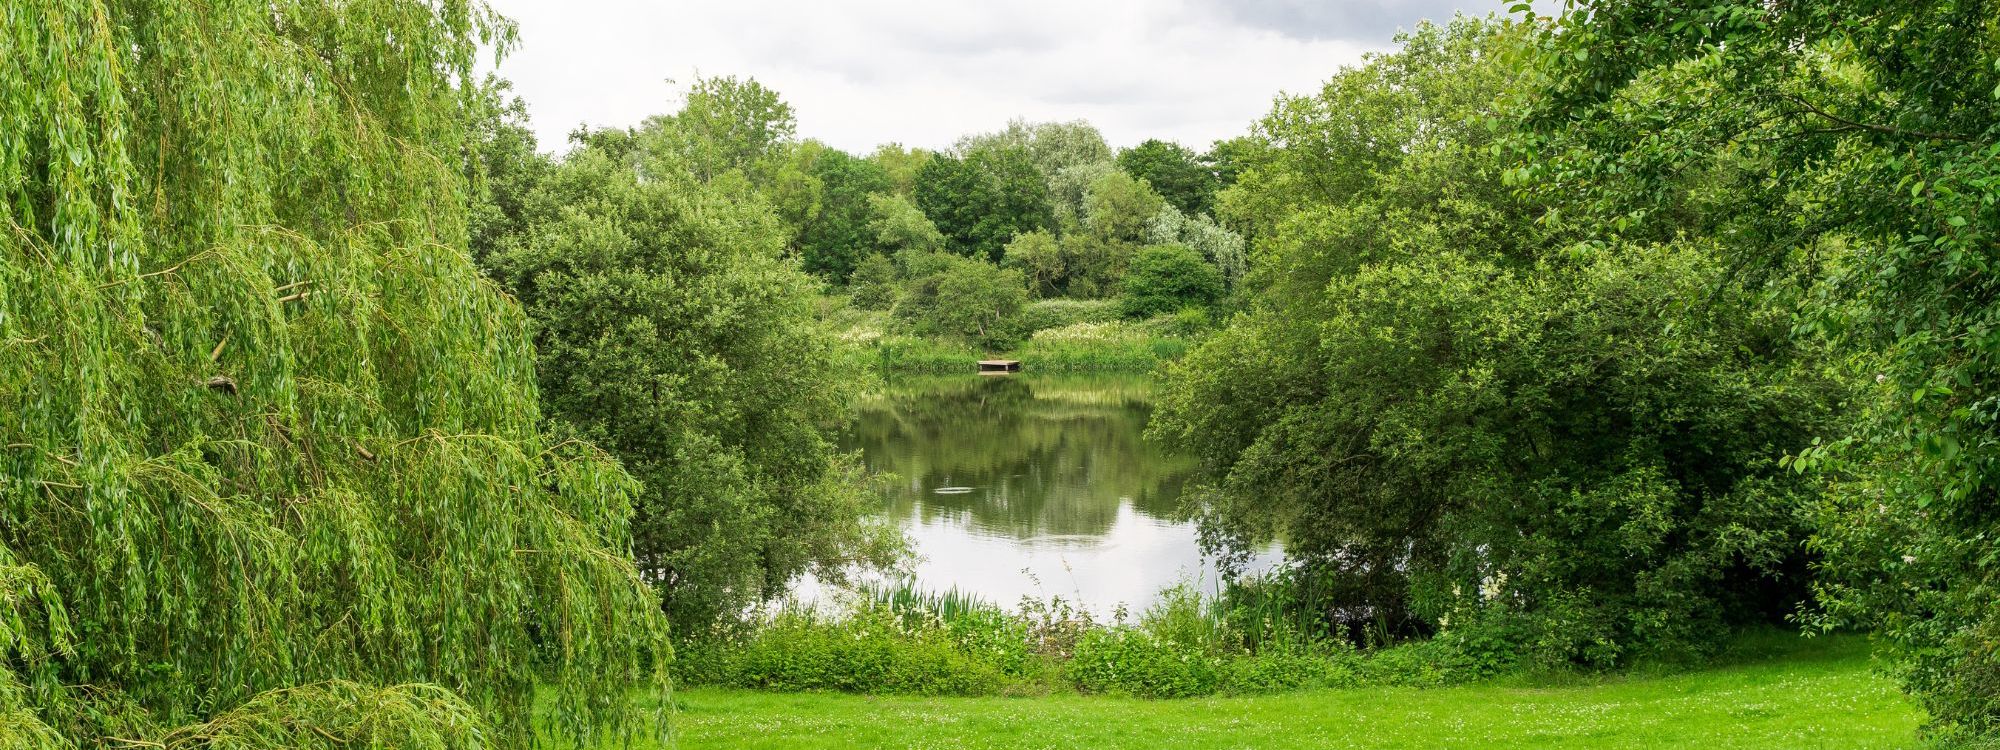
(673, 331)
(1458, 417)
(1175, 171)
(275, 473)
(1871, 129)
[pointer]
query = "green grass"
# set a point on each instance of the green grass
(1788, 693)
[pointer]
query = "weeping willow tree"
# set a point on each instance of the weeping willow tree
(274, 470)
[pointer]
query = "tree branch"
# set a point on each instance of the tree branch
(1884, 129)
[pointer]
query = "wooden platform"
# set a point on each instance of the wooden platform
(999, 365)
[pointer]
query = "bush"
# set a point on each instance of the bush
(873, 285)
(1127, 661)
(963, 298)
(869, 651)
(1282, 670)
(1057, 313)
(1168, 278)
(1248, 641)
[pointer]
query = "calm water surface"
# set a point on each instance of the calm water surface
(1024, 485)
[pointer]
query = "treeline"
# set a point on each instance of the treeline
(955, 243)
(1597, 336)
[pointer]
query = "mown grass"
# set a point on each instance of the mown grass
(1784, 693)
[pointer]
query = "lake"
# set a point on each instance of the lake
(1026, 485)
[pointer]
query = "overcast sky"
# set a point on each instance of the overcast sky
(864, 72)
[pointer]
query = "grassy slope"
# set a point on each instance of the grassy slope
(1819, 694)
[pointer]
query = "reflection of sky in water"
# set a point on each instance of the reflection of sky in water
(1065, 496)
(1136, 557)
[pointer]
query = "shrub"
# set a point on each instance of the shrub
(1190, 321)
(899, 639)
(873, 285)
(1048, 314)
(963, 298)
(1282, 670)
(1167, 278)
(1182, 616)
(869, 651)
(1129, 661)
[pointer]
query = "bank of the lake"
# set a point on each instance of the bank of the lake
(1082, 349)
(1055, 337)
(1788, 693)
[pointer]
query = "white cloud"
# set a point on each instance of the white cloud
(924, 73)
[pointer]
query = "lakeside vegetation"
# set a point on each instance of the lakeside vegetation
(1250, 639)
(337, 413)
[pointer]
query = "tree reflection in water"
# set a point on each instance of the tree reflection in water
(1062, 495)
(1047, 459)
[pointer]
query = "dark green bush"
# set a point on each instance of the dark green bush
(1167, 278)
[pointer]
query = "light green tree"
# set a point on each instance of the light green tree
(901, 165)
(1118, 208)
(1039, 257)
(1221, 247)
(275, 471)
(1068, 188)
(673, 330)
(726, 124)
(898, 225)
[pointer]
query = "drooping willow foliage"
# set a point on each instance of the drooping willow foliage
(274, 471)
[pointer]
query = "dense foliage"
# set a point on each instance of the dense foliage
(1456, 418)
(1858, 139)
(982, 200)
(1169, 278)
(275, 473)
(1175, 171)
(673, 331)
(963, 298)
(835, 235)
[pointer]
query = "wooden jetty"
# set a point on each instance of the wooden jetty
(999, 366)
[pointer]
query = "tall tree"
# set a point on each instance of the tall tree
(836, 236)
(901, 165)
(981, 200)
(505, 167)
(1453, 411)
(1052, 146)
(275, 473)
(1176, 172)
(1870, 127)
(726, 124)
(673, 331)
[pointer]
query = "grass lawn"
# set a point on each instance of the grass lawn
(1793, 694)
